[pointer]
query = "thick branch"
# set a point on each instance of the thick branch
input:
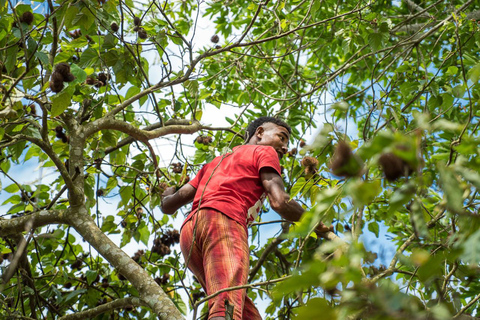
(150, 292)
(37, 219)
(176, 126)
(116, 304)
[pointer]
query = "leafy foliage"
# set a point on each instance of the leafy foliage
(395, 83)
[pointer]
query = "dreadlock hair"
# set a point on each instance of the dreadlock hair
(252, 127)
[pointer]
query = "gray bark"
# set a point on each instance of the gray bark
(150, 292)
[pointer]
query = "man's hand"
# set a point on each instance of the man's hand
(169, 191)
(172, 201)
(323, 228)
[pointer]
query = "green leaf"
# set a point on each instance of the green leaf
(418, 219)
(472, 176)
(401, 196)
(375, 40)
(126, 194)
(452, 70)
(79, 73)
(373, 227)
(451, 187)
(12, 188)
(459, 91)
(109, 138)
(88, 58)
(297, 187)
(43, 57)
(316, 308)
(474, 73)
(144, 233)
(363, 192)
(91, 276)
(471, 249)
(73, 295)
(109, 42)
(133, 90)
(11, 60)
(60, 102)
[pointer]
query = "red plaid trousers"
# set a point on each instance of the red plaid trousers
(219, 258)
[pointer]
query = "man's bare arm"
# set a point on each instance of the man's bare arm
(172, 201)
(280, 200)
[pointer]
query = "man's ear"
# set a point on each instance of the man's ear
(259, 132)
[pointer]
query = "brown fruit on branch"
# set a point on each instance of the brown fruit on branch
(393, 166)
(105, 284)
(103, 77)
(56, 86)
(142, 34)
(215, 38)
(302, 143)
(344, 163)
(310, 164)
(90, 81)
(69, 78)
(60, 134)
(63, 68)
(77, 264)
(56, 77)
(177, 167)
(75, 34)
(114, 27)
(138, 256)
(139, 213)
(205, 140)
(27, 17)
(137, 21)
(56, 82)
(33, 110)
(59, 75)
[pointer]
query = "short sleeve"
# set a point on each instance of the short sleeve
(267, 157)
(196, 181)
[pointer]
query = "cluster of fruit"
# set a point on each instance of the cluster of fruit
(205, 140)
(162, 245)
(60, 75)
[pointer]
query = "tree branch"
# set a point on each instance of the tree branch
(174, 127)
(37, 219)
(116, 304)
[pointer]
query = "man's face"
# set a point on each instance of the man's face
(270, 134)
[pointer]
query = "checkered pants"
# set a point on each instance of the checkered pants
(219, 258)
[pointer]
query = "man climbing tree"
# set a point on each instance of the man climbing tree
(227, 195)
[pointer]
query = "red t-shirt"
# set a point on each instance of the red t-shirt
(231, 183)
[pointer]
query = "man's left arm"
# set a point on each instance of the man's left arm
(280, 200)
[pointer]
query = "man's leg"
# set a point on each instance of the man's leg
(250, 312)
(226, 262)
(192, 252)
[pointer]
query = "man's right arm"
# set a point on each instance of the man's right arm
(172, 201)
(280, 201)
